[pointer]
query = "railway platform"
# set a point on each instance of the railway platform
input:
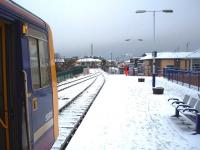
(126, 115)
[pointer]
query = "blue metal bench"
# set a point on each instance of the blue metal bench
(191, 110)
(177, 100)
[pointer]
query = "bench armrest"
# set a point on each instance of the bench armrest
(177, 102)
(182, 105)
(173, 99)
(190, 110)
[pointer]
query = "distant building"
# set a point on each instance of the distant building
(59, 60)
(111, 63)
(89, 62)
(134, 66)
(195, 60)
(59, 64)
(132, 61)
(178, 60)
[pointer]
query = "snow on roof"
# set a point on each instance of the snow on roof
(59, 60)
(127, 61)
(134, 58)
(109, 60)
(195, 54)
(168, 55)
(88, 60)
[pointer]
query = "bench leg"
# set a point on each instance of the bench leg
(198, 123)
(176, 113)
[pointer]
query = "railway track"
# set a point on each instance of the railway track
(69, 94)
(75, 80)
(78, 81)
(73, 113)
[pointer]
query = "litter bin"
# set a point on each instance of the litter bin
(141, 79)
(158, 90)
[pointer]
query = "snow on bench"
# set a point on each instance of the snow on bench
(188, 107)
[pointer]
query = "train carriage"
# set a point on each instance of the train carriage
(28, 86)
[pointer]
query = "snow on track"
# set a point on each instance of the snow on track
(71, 116)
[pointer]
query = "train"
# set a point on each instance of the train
(28, 83)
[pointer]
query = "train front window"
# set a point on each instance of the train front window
(33, 50)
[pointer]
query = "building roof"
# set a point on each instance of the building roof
(127, 61)
(88, 60)
(168, 55)
(195, 54)
(133, 58)
(59, 60)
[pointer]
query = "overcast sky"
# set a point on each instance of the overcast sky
(107, 23)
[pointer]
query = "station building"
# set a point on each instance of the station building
(178, 60)
(89, 62)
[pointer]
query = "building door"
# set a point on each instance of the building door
(4, 133)
(177, 63)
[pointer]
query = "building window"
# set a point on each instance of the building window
(39, 60)
(196, 64)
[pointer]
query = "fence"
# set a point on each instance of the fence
(190, 78)
(61, 76)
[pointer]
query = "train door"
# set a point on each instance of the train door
(4, 133)
(40, 90)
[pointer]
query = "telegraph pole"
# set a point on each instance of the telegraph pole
(92, 50)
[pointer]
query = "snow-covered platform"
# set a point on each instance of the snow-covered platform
(127, 116)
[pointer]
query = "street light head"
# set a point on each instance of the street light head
(167, 11)
(140, 11)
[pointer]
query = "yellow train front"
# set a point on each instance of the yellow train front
(28, 86)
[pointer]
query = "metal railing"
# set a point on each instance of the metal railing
(61, 76)
(185, 77)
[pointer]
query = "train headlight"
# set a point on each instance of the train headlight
(25, 29)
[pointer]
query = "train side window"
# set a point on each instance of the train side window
(39, 58)
(44, 63)
(35, 73)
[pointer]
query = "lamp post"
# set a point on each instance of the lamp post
(111, 59)
(154, 37)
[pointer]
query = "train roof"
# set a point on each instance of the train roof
(20, 12)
